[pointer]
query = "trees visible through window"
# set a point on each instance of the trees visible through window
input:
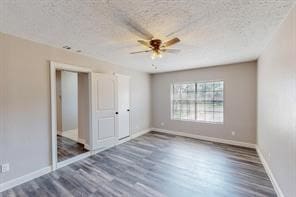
(199, 101)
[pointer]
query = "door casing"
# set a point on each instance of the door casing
(92, 137)
(54, 66)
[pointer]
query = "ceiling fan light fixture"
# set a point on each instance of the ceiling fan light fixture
(153, 55)
(156, 54)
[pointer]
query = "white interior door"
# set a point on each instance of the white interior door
(123, 84)
(104, 107)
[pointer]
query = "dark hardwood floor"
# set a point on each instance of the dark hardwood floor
(157, 165)
(68, 148)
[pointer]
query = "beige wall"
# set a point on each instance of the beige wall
(83, 107)
(277, 105)
(25, 101)
(2, 102)
(59, 100)
(240, 101)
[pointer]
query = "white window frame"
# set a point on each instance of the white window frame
(197, 121)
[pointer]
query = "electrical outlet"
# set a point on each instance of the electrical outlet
(5, 167)
(233, 133)
(162, 124)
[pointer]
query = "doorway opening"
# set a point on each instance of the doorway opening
(71, 113)
(71, 140)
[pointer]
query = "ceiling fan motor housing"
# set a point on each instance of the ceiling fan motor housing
(156, 43)
(156, 46)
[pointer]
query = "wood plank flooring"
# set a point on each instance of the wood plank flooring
(157, 165)
(68, 148)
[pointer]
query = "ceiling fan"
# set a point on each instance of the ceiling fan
(157, 47)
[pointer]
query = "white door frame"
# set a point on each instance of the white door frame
(54, 66)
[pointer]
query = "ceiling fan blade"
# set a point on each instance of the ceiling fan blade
(186, 26)
(171, 42)
(122, 17)
(146, 51)
(147, 44)
(171, 50)
(137, 29)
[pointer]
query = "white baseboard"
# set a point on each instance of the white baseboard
(270, 174)
(73, 159)
(124, 140)
(102, 149)
(132, 136)
(206, 138)
(87, 147)
(138, 134)
(28, 177)
(81, 141)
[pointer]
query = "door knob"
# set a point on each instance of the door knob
(127, 110)
(116, 112)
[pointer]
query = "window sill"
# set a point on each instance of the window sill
(197, 121)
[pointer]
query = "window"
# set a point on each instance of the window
(201, 101)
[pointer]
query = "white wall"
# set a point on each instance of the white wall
(239, 105)
(25, 101)
(69, 96)
(277, 105)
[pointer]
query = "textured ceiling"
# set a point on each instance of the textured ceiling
(212, 32)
